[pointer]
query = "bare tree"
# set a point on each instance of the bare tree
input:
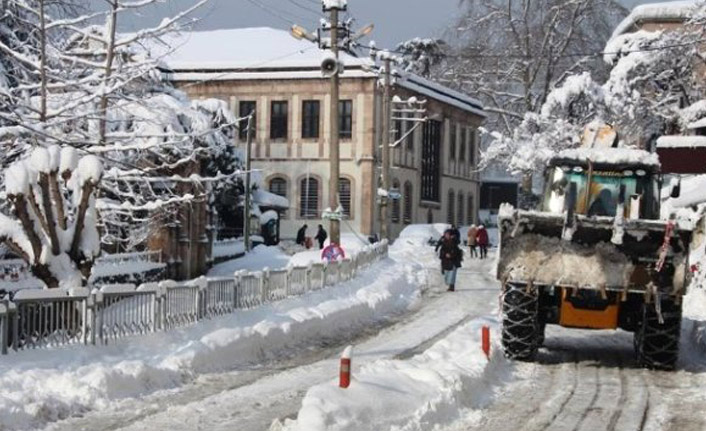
(511, 53)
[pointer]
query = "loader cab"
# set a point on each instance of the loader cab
(594, 189)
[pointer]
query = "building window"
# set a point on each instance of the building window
(450, 207)
(344, 195)
(278, 120)
(460, 207)
(470, 211)
(408, 202)
(310, 119)
(244, 109)
(398, 130)
(452, 142)
(309, 198)
(431, 148)
(345, 119)
(462, 151)
(472, 149)
(396, 203)
(278, 186)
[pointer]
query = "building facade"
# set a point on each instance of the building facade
(432, 171)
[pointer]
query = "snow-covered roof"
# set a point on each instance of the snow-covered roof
(241, 49)
(267, 53)
(678, 141)
(613, 156)
(439, 92)
(664, 11)
(267, 199)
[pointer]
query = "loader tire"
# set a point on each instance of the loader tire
(521, 331)
(657, 344)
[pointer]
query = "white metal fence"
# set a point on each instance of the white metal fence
(46, 318)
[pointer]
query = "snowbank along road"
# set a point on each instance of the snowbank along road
(582, 380)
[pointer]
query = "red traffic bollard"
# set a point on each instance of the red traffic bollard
(345, 373)
(486, 341)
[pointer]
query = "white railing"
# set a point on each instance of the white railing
(46, 318)
(154, 256)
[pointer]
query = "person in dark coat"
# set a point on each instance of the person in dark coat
(456, 234)
(321, 236)
(482, 241)
(301, 235)
(451, 257)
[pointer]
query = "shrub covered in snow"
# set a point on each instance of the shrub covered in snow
(54, 228)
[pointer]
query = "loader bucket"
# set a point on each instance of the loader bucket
(591, 252)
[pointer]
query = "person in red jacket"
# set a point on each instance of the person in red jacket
(482, 241)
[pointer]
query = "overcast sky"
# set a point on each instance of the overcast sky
(395, 20)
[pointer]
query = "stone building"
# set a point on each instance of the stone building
(268, 72)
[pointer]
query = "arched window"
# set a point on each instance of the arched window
(309, 198)
(408, 202)
(278, 186)
(450, 209)
(459, 216)
(470, 211)
(344, 194)
(396, 203)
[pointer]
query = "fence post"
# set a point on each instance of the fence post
(98, 310)
(91, 305)
(236, 289)
(323, 275)
(265, 285)
(84, 319)
(15, 329)
(288, 283)
(4, 312)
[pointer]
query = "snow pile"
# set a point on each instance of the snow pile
(351, 244)
(552, 261)
(259, 258)
(337, 4)
(268, 216)
(421, 234)
(78, 378)
(425, 392)
(626, 156)
(664, 11)
(681, 141)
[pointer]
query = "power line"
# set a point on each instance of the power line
(306, 8)
(532, 56)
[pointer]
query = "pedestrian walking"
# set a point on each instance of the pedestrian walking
(451, 257)
(472, 244)
(482, 241)
(301, 235)
(321, 236)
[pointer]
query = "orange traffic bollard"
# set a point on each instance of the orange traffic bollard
(345, 374)
(486, 341)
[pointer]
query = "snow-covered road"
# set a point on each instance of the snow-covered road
(582, 380)
(251, 399)
(588, 381)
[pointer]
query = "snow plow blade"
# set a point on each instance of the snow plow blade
(593, 253)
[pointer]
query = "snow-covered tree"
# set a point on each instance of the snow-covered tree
(54, 225)
(654, 87)
(100, 91)
(420, 56)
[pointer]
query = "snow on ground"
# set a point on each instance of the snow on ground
(260, 257)
(351, 245)
(424, 392)
(44, 386)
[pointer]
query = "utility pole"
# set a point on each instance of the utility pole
(332, 70)
(386, 114)
(334, 223)
(246, 212)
